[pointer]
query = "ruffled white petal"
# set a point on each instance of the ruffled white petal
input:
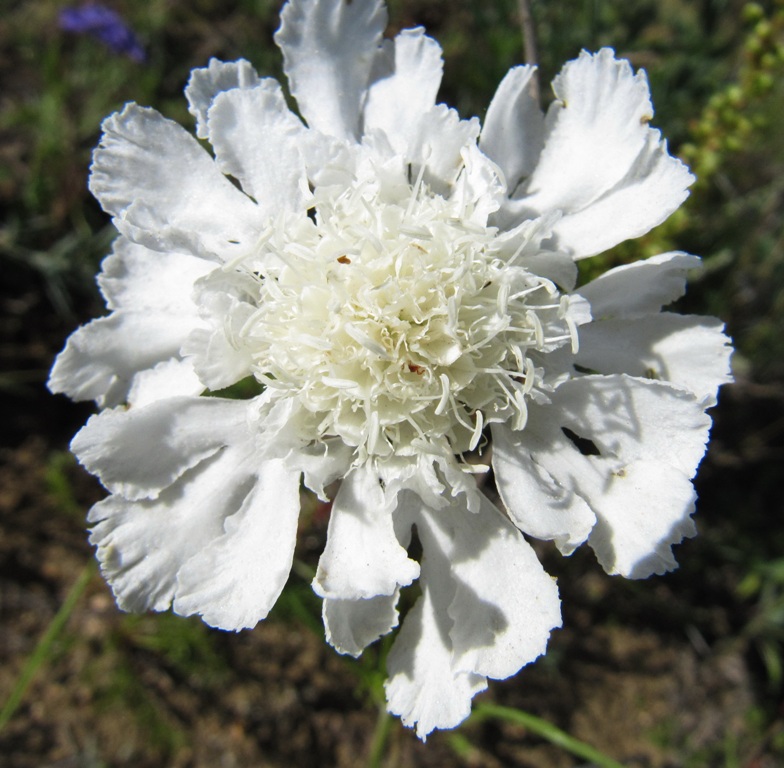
(655, 186)
(154, 313)
(523, 245)
(630, 334)
(256, 137)
(423, 689)
(328, 50)
(207, 82)
(635, 419)
(643, 509)
(226, 300)
(505, 605)
(537, 504)
(513, 131)
(135, 278)
(142, 545)
(487, 608)
(170, 378)
(479, 190)
(352, 625)
(640, 288)
(234, 581)
(596, 128)
(438, 145)
(138, 452)
(406, 80)
(322, 464)
(217, 541)
(601, 164)
(363, 557)
(102, 359)
(688, 350)
(634, 426)
(165, 191)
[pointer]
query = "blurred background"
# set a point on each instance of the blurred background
(684, 670)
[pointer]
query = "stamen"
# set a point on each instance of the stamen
(396, 325)
(477, 434)
(441, 407)
(365, 340)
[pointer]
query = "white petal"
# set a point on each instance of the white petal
(438, 144)
(255, 137)
(139, 452)
(398, 99)
(688, 350)
(330, 161)
(207, 82)
(644, 509)
(601, 164)
(134, 277)
(151, 293)
(596, 128)
(513, 131)
(505, 605)
(524, 244)
(352, 625)
(170, 378)
(322, 463)
(101, 360)
(642, 434)
(655, 186)
(142, 544)
(487, 608)
(165, 190)
(632, 418)
(363, 557)
(422, 688)
(234, 581)
(328, 49)
(217, 362)
(479, 190)
(225, 301)
(537, 504)
(640, 288)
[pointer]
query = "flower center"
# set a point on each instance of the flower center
(396, 323)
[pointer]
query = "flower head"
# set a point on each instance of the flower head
(104, 24)
(395, 289)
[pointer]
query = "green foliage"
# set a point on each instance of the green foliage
(763, 586)
(59, 484)
(186, 646)
(44, 649)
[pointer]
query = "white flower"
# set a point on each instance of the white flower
(395, 288)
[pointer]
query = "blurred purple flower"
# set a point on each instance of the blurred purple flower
(104, 24)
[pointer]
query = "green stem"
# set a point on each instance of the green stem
(547, 731)
(380, 736)
(38, 657)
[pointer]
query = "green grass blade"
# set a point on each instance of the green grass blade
(42, 650)
(547, 731)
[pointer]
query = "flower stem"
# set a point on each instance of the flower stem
(380, 736)
(547, 731)
(42, 650)
(530, 47)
